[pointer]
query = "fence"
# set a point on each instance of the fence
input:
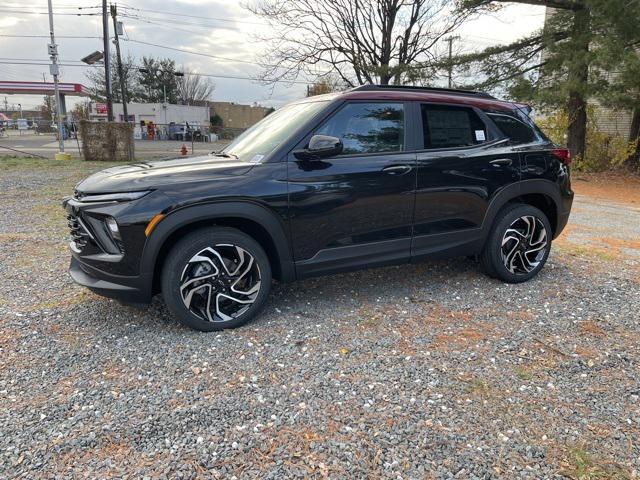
(183, 132)
(107, 141)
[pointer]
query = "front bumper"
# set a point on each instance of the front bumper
(135, 290)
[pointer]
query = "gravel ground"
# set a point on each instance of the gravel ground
(422, 371)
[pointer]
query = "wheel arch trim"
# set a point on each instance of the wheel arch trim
(515, 190)
(185, 216)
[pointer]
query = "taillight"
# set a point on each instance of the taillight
(562, 154)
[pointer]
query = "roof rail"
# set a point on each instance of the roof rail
(454, 91)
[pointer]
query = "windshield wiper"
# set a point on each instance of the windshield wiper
(226, 155)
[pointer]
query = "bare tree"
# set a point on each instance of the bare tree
(362, 41)
(195, 89)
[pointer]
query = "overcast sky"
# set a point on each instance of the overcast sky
(222, 28)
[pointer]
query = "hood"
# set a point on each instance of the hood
(146, 175)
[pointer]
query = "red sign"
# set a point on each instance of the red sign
(101, 108)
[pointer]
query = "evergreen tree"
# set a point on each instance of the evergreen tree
(567, 62)
(130, 74)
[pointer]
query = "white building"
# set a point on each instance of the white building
(158, 113)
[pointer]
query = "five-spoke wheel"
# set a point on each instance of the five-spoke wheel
(216, 278)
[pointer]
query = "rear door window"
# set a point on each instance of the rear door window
(445, 126)
(513, 128)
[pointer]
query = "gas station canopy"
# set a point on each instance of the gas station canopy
(43, 88)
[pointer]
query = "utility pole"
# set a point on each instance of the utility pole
(450, 66)
(123, 90)
(107, 76)
(54, 69)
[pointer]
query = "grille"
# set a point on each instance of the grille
(79, 233)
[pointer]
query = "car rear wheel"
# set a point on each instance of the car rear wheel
(216, 278)
(518, 245)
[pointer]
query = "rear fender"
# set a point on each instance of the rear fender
(515, 190)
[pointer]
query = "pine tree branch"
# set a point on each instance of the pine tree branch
(573, 5)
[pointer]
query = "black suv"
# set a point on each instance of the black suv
(373, 176)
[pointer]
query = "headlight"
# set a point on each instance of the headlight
(112, 197)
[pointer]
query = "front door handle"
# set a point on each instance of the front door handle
(397, 169)
(501, 161)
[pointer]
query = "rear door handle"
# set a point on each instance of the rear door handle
(397, 169)
(501, 161)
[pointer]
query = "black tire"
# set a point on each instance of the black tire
(492, 259)
(183, 267)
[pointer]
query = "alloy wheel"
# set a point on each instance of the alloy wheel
(220, 283)
(523, 245)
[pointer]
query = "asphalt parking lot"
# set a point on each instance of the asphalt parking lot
(419, 371)
(47, 146)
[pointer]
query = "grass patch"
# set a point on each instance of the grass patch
(51, 214)
(475, 385)
(579, 464)
(587, 251)
(524, 374)
(13, 163)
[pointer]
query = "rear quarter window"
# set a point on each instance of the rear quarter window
(514, 129)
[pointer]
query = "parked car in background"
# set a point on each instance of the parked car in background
(377, 175)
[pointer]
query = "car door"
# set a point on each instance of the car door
(463, 163)
(354, 209)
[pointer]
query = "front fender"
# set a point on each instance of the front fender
(184, 216)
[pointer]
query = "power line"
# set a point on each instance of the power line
(235, 60)
(172, 26)
(189, 16)
(21, 5)
(212, 75)
(197, 53)
(46, 13)
(33, 60)
(171, 22)
(46, 36)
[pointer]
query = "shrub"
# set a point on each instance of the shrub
(604, 151)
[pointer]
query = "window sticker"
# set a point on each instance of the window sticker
(480, 136)
(257, 158)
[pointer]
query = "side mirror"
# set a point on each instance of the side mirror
(320, 146)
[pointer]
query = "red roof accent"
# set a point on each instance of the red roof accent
(482, 103)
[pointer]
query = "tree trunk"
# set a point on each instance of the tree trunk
(578, 77)
(634, 136)
(577, 130)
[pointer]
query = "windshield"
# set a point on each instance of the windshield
(263, 138)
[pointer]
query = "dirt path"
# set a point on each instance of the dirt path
(605, 219)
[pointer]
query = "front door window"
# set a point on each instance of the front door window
(367, 128)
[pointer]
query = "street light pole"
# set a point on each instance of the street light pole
(54, 69)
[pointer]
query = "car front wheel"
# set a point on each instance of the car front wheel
(216, 278)
(518, 245)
